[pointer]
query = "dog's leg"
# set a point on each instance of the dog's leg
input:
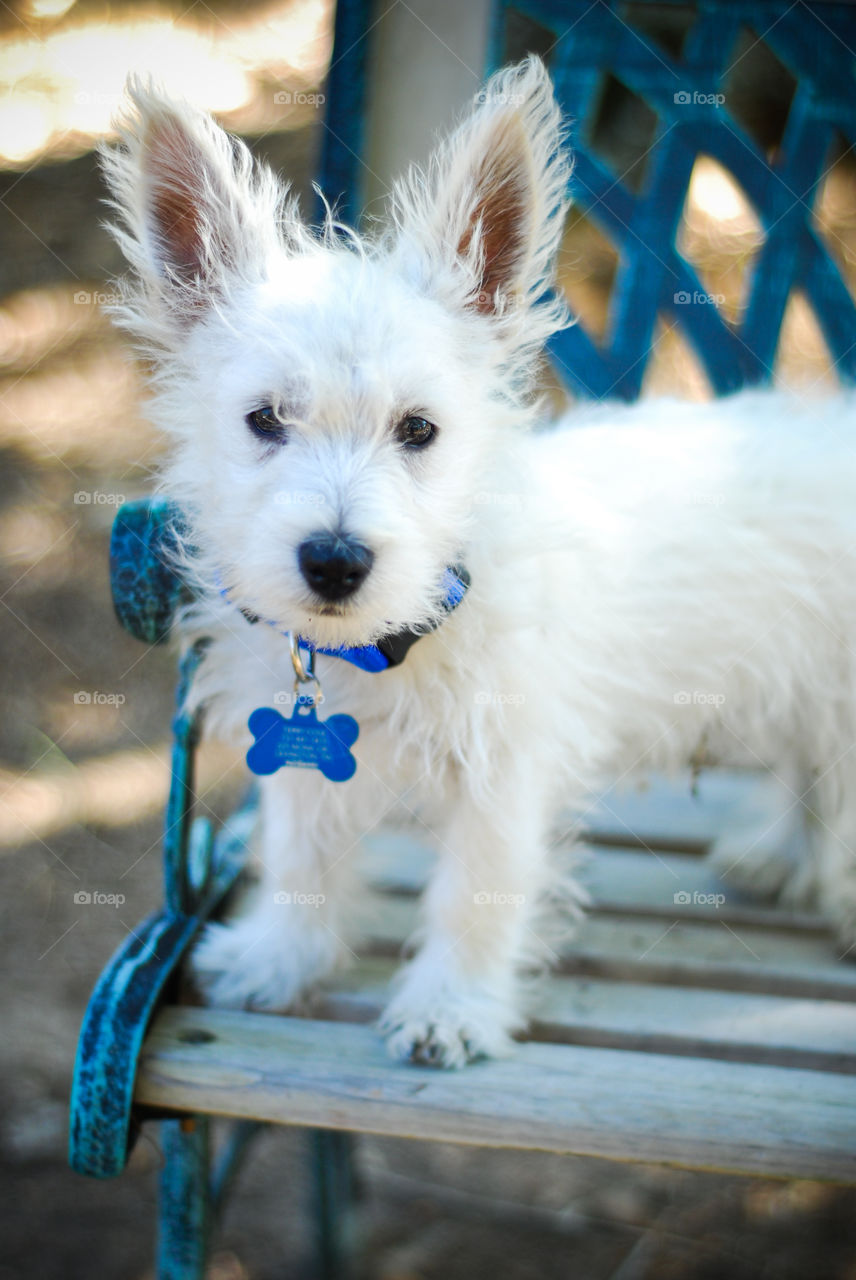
(460, 997)
(832, 810)
(287, 931)
(764, 848)
(799, 847)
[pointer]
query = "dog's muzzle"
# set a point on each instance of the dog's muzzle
(334, 565)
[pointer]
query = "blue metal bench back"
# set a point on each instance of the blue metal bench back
(683, 87)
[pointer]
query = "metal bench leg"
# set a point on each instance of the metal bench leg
(336, 1192)
(183, 1200)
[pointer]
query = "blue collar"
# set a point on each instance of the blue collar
(391, 650)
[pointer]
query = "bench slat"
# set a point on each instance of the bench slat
(678, 952)
(618, 879)
(733, 1026)
(742, 1118)
(678, 886)
(678, 813)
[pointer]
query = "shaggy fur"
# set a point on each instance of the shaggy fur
(648, 584)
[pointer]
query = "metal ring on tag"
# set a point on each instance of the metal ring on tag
(302, 672)
(317, 696)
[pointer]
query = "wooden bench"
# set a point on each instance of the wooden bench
(711, 1034)
(680, 1026)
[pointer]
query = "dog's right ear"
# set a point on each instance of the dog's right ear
(198, 214)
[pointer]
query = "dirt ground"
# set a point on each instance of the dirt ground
(82, 780)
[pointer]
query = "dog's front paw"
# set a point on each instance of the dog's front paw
(252, 963)
(235, 967)
(441, 1041)
(447, 1024)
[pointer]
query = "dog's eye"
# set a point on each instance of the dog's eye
(264, 423)
(415, 432)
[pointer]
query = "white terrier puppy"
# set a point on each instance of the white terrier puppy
(351, 418)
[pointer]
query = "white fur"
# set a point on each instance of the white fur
(647, 583)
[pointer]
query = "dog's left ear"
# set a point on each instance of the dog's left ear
(483, 225)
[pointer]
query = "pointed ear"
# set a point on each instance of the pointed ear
(197, 212)
(490, 211)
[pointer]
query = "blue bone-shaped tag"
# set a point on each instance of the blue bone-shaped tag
(303, 741)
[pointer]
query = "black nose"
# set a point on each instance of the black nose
(334, 564)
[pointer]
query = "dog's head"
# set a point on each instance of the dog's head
(335, 401)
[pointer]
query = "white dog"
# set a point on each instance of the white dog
(350, 418)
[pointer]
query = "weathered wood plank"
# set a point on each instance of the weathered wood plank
(660, 814)
(702, 1114)
(734, 1026)
(675, 885)
(678, 886)
(679, 812)
(714, 954)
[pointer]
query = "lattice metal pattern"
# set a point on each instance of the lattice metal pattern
(768, 92)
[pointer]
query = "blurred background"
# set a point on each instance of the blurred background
(86, 710)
